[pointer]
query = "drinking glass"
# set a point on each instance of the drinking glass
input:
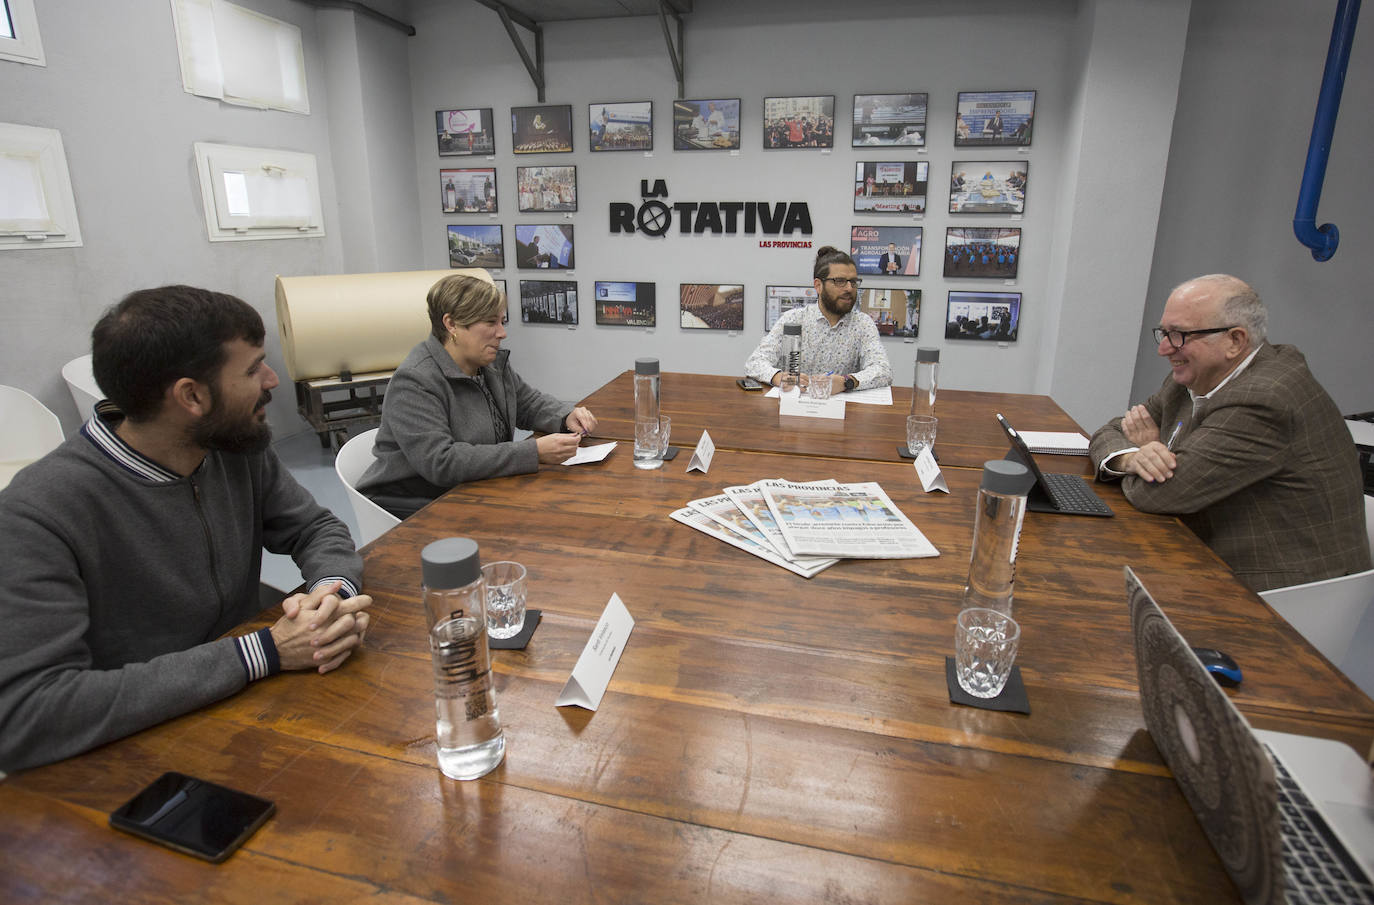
(920, 432)
(985, 644)
(505, 583)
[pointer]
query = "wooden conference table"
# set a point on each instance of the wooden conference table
(765, 738)
(968, 433)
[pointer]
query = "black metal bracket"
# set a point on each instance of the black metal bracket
(675, 53)
(511, 18)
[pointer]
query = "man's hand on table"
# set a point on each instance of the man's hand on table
(319, 630)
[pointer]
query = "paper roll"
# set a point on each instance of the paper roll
(358, 322)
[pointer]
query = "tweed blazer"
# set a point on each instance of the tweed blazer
(1267, 474)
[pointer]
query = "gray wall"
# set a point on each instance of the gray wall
(1245, 108)
(462, 57)
(1108, 229)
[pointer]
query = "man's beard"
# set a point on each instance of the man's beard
(831, 303)
(228, 433)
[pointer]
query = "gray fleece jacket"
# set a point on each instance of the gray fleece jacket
(118, 582)
(437, 424)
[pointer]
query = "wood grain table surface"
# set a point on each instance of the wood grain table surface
(968, 433)
(765, 738)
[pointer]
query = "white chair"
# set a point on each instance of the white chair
(353, 459)
(81, 382)
(1327, 612)
(30, 431)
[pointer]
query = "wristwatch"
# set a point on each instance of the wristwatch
(850, 383)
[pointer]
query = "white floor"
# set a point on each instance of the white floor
(313, 466)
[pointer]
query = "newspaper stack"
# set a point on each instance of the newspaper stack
(808, 527)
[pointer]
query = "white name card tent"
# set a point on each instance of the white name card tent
(594, 667)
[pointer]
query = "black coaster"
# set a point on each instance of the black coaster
(1012, 699)
(905, 452)
(670, 454)
(517, 642)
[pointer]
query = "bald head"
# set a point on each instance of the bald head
(1230, 300)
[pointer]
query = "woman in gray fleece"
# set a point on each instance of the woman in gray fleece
(453, 404)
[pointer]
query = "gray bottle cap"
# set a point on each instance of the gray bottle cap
(791, 329)
(646, 366)
(1006, 477)
(450, 563)
(927, 354)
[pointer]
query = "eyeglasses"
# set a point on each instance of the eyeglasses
(841, 282)
(1178, 337)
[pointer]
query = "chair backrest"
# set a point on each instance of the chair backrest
(353, 459)
(81, 382)
(1369, 520)
(30, 431)
(1328, 612)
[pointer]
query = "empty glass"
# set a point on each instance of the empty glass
(985, 644)
(920, 433)
(818, 386)
(505, 583)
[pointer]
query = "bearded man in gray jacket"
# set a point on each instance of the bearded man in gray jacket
(134, 546)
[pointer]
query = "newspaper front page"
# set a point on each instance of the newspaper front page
(695, 518)
(844, 520)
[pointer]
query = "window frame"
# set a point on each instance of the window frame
(27, 45)
(61, 228)
(214, 160)
(206, 54)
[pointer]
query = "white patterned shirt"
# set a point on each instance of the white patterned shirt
(849, 347)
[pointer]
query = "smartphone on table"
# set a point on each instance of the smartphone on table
(193, 816)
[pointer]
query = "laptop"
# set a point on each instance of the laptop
(1291, 817)
(1065, 493)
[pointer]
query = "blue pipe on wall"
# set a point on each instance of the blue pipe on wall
(1323, 240)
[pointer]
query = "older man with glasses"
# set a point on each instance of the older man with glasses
(835, 339)
(1242, 444)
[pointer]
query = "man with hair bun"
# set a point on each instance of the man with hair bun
(836, 339)
(1242, 444)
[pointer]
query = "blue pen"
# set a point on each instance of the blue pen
(1174, 436)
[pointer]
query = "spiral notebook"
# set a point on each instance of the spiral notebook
(1063, 443)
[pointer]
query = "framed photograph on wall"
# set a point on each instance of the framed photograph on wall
(778, 300)
(625, 126)
(989, 316)
(505, 316)
(988, 186)
(887, 251)
(992, 253)
(466, 132)
(626, 304)
(896, 312)
(548, 301)
(882, 120)
(897, 186)
(994, 119)
(545, 129)
(467, 191)
(706, 125)
(539, 246)
(799, 122)
(546, 188)
(476, 245)
(712, 306)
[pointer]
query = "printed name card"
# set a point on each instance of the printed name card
(587, 454)
(929, 472)
(701, 456)
(593, 671)
(805, 406)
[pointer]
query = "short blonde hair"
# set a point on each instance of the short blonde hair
(463, 298)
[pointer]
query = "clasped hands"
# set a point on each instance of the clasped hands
(1153, 461)
(555, 448)
(319, 630)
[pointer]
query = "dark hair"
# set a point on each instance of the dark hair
(827, 255)
(154, 337)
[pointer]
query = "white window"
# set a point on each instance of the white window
(258, 193)
(37, 209)
(239, 56)
(19, 33)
